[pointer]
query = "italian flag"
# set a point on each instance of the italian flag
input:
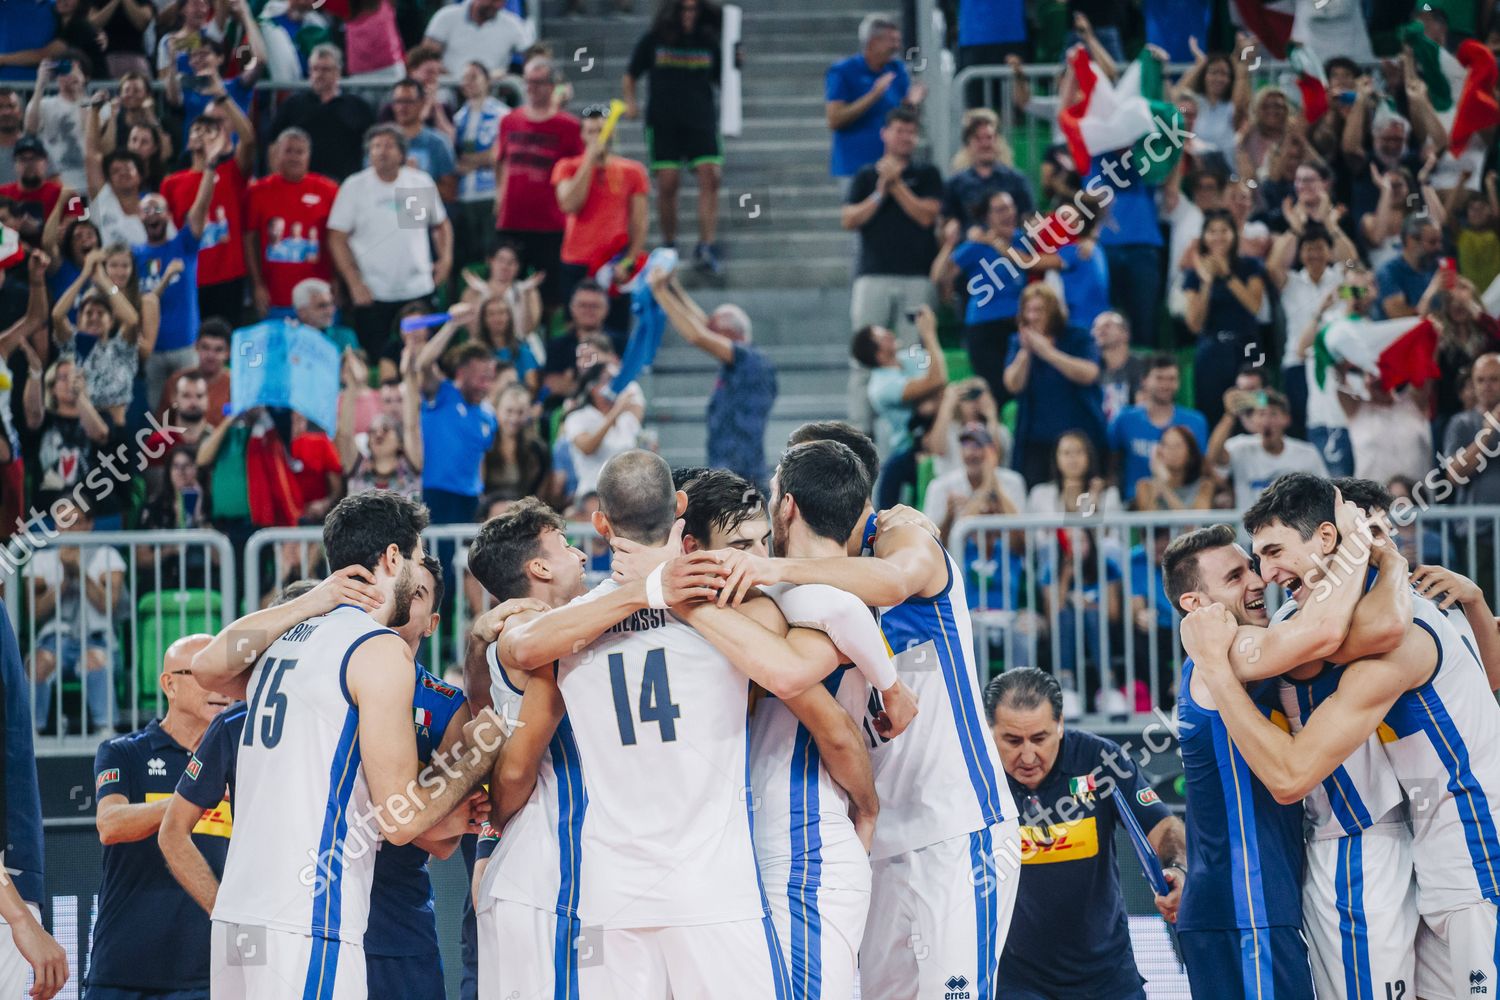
(1396, 351)
(1443, 74)
(1312, 83)
(1477, 108)
(1108, 116)
(12, 251)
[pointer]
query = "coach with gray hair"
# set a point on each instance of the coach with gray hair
(339, 120)
(746, 388)
(286, 224)
(1069, 787)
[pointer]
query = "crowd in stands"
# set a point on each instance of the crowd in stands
(1153, 339)
(180, 172)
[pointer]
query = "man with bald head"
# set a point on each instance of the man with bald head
(150, 935)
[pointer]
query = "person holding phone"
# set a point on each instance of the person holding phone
(178, 501)
(57, 119)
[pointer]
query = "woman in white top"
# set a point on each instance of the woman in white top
(1318, 249)
(599, 429)
(1220, 87)
(1401, 196)
(964, 402)
(1077, 487)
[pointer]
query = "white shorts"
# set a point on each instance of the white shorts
(940, 914)
(1456, 953)
(820, 928)
(250, 962)
(736, 960)
(1359, 912)
(15, 971)
(525, 955)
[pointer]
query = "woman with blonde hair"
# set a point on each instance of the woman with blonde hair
(1052, 370)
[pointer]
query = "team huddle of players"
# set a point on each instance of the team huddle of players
(716, 774)
(1340, 759)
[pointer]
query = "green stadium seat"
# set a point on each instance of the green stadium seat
(183, 612)
(958, 365)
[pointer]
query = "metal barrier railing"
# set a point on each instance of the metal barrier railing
(295, 553)
(95, 611)
(1082, 595)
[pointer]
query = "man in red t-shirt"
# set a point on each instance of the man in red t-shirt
(606, 200)
(32, 192)
(286, 217)
(316, 467)
(221, 253)
(532, 139)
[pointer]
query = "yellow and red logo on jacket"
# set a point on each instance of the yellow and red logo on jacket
(216, 822)
(1073, 840)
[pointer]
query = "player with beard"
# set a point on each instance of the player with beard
(328, 761)
(1440, 725)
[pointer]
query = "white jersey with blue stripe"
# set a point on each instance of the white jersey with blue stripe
(803, 834)
(1446, 753)
(302, 858)
(539, 855)
(1362, 791)
(660, 720)
(942, 777)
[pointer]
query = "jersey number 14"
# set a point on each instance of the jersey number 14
(654, 703)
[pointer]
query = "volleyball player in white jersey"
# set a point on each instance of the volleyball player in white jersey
(668, 879)
(527, 923)
(815, 803)
(327, 763)
(1432, 694)
(947, 846)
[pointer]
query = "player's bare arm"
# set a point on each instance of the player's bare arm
(186, 863)
(120, 821)
(223, 665)
(755, 639)
(1447, 588)
(1382, 615)
(907, 561)
(531, 640)
(841, 746)
(1292, 765)
(515, 770)
(48, 960)
(444, 838)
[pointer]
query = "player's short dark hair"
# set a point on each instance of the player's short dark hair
(500, 551)
(1162, 359)
(291, 592)
(1366, 494)
(863, 348)
(1023, 688)
(1299, 500)
(684, 474)
(845, 434)
(360, 527)
(1179, 564)
(830, 483)
(636, 494)
(718, 498)
(431, 564)
(215, 328)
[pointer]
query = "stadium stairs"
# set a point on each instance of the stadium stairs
(786, 261)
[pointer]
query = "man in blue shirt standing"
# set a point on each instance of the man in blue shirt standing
(1405, 281)
(1135, 430)
(862, 89)
(179, 298)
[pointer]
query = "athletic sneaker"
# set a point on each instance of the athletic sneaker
(706, 259)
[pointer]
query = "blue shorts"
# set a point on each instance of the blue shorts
(114, 993)
(63, 643)
(410, 977)
(1264, 964)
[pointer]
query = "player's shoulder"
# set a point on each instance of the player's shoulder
(1081, 748)
(434, 686)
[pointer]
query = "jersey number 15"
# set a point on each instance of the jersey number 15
(268, 706)
(654, 703)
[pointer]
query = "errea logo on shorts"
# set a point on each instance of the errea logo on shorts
(958, 989)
